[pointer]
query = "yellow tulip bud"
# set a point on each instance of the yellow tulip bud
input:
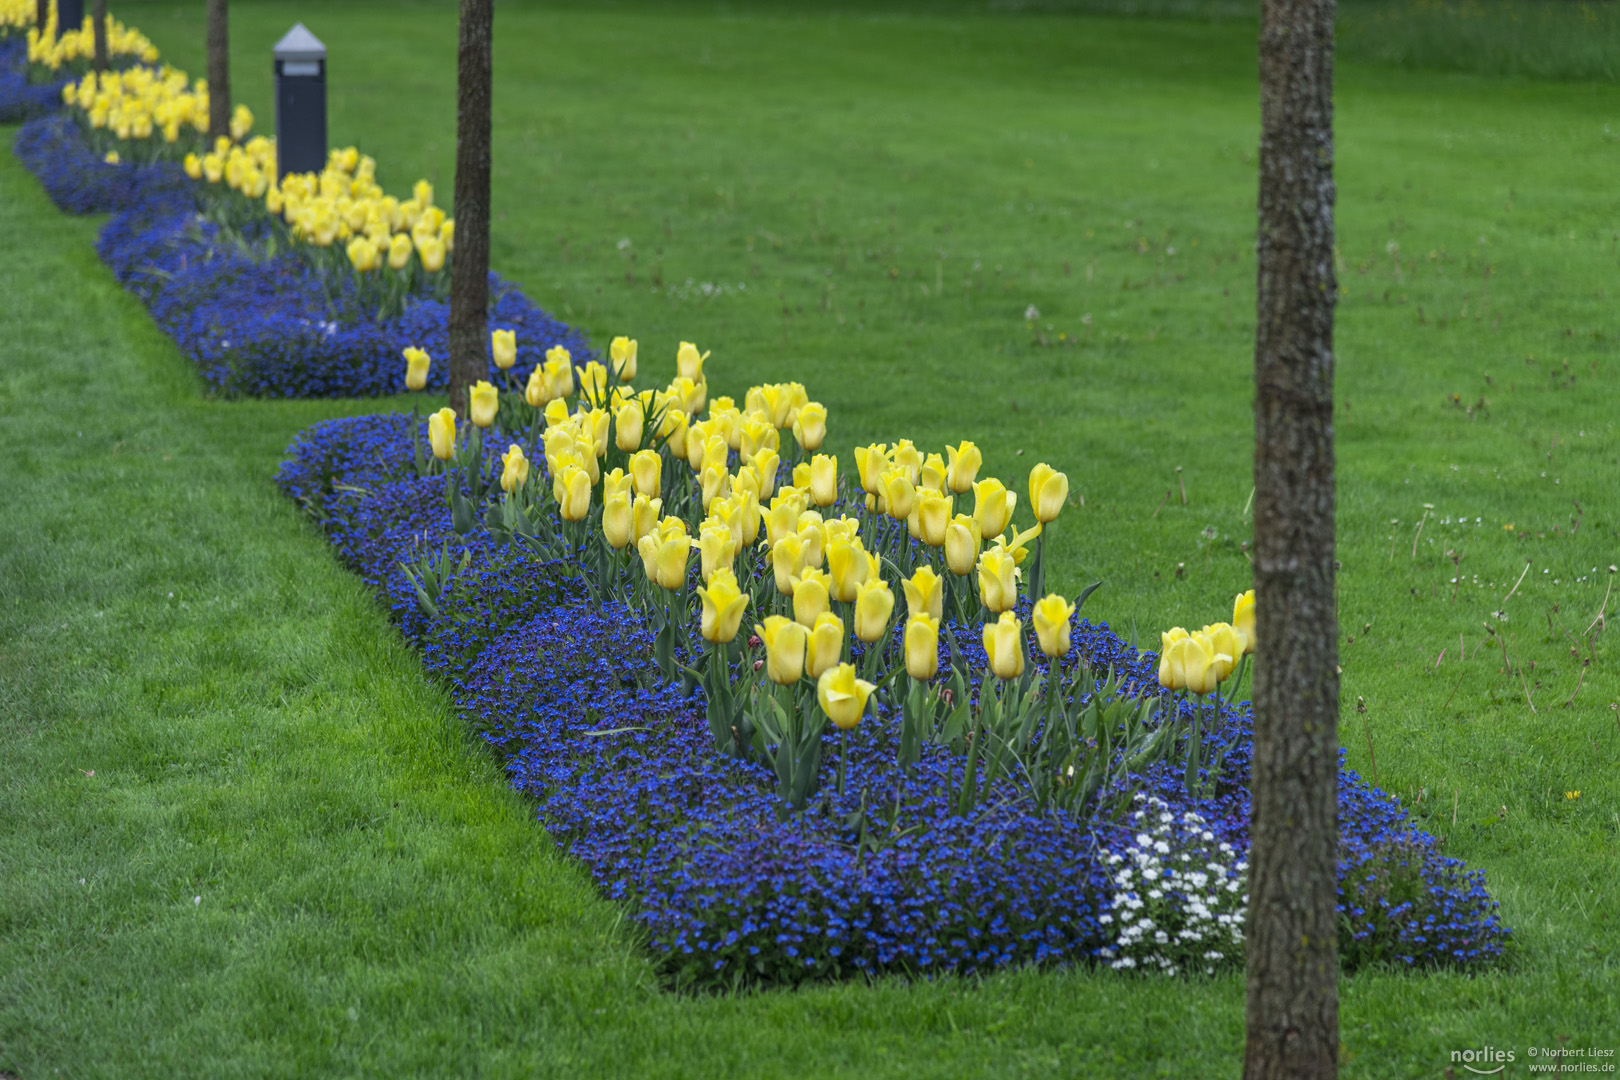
(572, 488)
(933, 515)
(503, 347)
(1004, 645)
(932, 476)
(644, 516)
(993, 506)
(874, 603)
(1243, 619)
(907, 458)
(1227, 642)
(1048, 490)
(193, 166)
(557, 413)
(784, 642)
(674, 426)
(628, 422)
(688, 362)
(622, 351)
(785, 562)
(1196, 657)
(898, 492)
(922, 646)
(998, 580)
(646, 470)
(870, 463)
(560, 372)
(823, 480)
(810, 599)
(765, 464)
(536, 392)
(593, 383)
(514, 468)
(417, 363)
(668, 553)
(1051, 618)
(1169, 637)
(399, 251)
(442, 434)
(962, 545)
(431, 251)
(925, 593)
(618, 525)
(723, 605)
(810, 427)
(481, 404)
(848, 564)
(599, 421)
(717, 550)
(826, 646)
(781, 521)
(842, 696)
(422, 192)
(716, 484)
(813, 539)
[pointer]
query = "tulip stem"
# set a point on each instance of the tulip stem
(843, 759)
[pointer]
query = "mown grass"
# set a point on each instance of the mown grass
(892, 191)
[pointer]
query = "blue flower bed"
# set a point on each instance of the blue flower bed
(19, 98)
(256, 323)
(728, 891)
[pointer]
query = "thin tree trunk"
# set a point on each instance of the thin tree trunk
(469, 260)
(42, 14)
(1293, 1009)
(219, 69)
(98, 16)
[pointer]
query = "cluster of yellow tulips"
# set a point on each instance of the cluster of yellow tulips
(666, 473)
(75, 45)
(344, 204)
(139, 103)
(1200, 661)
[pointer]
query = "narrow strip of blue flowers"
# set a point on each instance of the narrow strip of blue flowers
(19, 98)
(257, 324)
(625, 777)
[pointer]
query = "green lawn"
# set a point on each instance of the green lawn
(873, 202)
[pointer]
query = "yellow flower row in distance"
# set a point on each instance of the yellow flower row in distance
(45, 48)
(1199, 661)
(140, 103)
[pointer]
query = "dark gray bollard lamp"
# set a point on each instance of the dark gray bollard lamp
(69, 16)
(300, 103)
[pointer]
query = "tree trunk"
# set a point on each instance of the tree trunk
(98, 16)
(1293, 1009)
(469, 259)
(42, 15)
(219, 70)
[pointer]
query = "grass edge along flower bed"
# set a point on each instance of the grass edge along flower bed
(727, 886)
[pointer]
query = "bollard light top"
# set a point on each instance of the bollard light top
(300, 44)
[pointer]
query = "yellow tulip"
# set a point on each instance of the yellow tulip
(842, 696)
(674, 426)
(823, 480)
(628, 423)
(754, 434)
(784, 642)
(717, 550)
(826, 645)
(689, 363)
(810, 428)
(765, 465)
(785, 562)
(933, 515)
(925, 593)
(644, 516)
(1192, 665)
(503, 346)
(399, 251)
(481, 404)
(906, 457)
(593, 383)
(536, 391)
(748, 514)
(646, 471)
(599, 421)
(666, 553)
(417, 362)
(514, 468)
(723, 605)
(962, 545)
(998, 580)
(1051, 618)
(922, 645)
(362, 254)
(622, 351)
(1048, 490)
(993, 506)
(1004, 645)
(932, 476)
(193, 166)
(431, 251)
(442, 434)
(813, 539)
(618, 524)
(560, 371)
(573, 490)
(422, 193)
(874, 603)
(1243, 619)
(1169, 637)
(899, 494)
(782, 520)
(557, 412)
(716, 484)
(870, 463)
(849, 566)
(1227, 642)
(810, 599)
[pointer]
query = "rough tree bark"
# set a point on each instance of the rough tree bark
(98, 18)
(469, 259)
(42, 14)
(219, 69)
(1293, 1009)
